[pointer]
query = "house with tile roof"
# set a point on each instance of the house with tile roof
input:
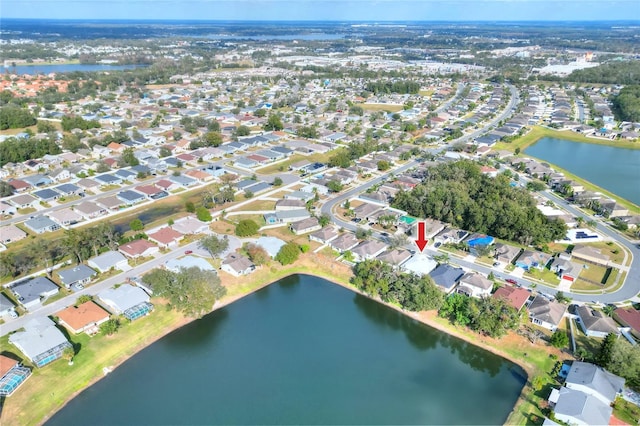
(84, 318)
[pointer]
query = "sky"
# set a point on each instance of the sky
(326, 10)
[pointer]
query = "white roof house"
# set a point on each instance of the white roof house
(174, 265)
(420, 264)
(108, 260)
(41, 341)
(122, 298)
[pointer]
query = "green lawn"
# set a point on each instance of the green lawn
(626, 411)
(544, 275)
(51, 386)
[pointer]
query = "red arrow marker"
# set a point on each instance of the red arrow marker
(421, 242)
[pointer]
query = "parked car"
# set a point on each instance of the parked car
(13, 313)
(79, 286)
(188, 252)
(511, 281)
(496, 263)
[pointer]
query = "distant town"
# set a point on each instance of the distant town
(190, 167)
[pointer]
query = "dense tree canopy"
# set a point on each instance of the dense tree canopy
(14, 150)
(400, 86)
(246, 228)
(288, 253)
(623, 72)
(214, 244)
(69, 123)
(410, 291)
(626, 105)
(14, 117)
(191, 291)
(458, 193)
(490, 316)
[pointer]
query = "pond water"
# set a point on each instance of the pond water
(612, 168)
(303, 351)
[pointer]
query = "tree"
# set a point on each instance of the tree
(581, 353)
(362, 233)
(335, 186)
(384, 165)
(203, 214)
(129, 158)
(324, 220)
(243, 130)
(246, 228)
(136, 225)
(288, 253)
(191, 291)
(190, 207)
(606, 350)
(45, 127)
(110, 327)
(214, 245)
(537, 383)
(83, 299)
(212, 139)
(14, 117)
(559, 339)
(68, 353)
(273, 123)
(5, 189)
(257, 254)
(397, 240)
(277, 181)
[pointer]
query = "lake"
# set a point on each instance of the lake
(60, 68)
(303, 351)
(614, 169)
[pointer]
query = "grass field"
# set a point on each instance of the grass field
(381, 107)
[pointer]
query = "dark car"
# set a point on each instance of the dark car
(188, 252)
(511, 281)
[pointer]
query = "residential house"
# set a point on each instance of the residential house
(189, 225)
(109, 260)
(300, 195)
(286, 204)
(89, 210)
(69, 189)
(420, 264)
(450, 236)
(546, 313)
(325, 235)
(578, 408)
(533, 259)
(127, 300)
(11, 234)
(474, 284)
(305, 226)
(65, 216)
(138, 248)
(12, 375)
(505, 253)
(271, 245)
(24, 201)
(182, 181)
(6, 305)
(395, 257)
(7, 209)
(368, 250)
(41, 341)
(478, 242)
(595, 323)
(629, 317)
(237, 265)
(515, 297)
(446, 277)
(79, 274)
(344, 242)
(85, 317)
(565, 268)
(32, 292)
(364, 210)
(46, 195)
(110, 202)
(595, 381)
(166, 237)
(174, 265)
(286, 216)
(590, 255)
(130, 197)
(152, 192)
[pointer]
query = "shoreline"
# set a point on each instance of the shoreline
(425, 317)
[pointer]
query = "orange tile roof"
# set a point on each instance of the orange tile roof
(6, 364)
(166, 235)
(83, 315)
(514, 296)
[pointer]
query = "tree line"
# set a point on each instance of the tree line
(15, 150)
(459, 194)
(412, 292)
(490, 316)
(387, 87)
(619, 72)
(14, 117)
(626, 104)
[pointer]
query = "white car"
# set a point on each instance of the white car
(13, 314)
